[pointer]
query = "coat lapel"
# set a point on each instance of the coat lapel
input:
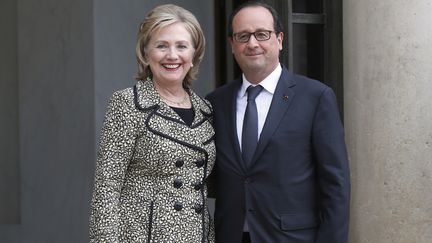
(164, 121)
(282, 98)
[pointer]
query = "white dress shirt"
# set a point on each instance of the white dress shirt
(263, 101)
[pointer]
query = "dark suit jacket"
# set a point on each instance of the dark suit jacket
(297, 188)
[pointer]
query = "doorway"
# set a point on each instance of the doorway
(312, 43)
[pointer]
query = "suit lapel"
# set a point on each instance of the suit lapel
(282, 98)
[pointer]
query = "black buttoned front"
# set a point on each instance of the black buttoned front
(179, 163)
(178, 206)
(177, 183)
(197, 185)
(199, 163)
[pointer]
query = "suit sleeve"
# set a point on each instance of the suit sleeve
(115, 150)
(333, 171)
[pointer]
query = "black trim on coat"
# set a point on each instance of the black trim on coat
(149, 234)
(138, 105)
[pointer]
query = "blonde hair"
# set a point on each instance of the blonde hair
(163, 16)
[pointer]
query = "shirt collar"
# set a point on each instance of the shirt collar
(269, 83)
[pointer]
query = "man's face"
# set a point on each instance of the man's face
(257, 59)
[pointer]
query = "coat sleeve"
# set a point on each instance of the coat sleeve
(333, 171)
(115, 150)
(211, 178)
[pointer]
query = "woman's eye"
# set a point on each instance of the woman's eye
(161, 46)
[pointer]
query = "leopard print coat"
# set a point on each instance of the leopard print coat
(151, 170)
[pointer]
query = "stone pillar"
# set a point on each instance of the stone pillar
(388, 119)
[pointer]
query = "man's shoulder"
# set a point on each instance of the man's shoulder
(222, 91)
(308, 84)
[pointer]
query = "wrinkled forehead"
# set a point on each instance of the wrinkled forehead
(252, 18)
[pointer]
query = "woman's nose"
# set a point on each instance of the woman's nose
(172, 53)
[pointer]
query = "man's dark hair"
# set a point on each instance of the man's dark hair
(276, 21)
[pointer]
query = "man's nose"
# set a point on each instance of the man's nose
(252, 41)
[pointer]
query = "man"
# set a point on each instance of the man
(281, 170)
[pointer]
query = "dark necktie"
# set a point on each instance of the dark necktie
(250, 124)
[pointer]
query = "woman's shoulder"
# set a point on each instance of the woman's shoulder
(122, 98)
(123, 95)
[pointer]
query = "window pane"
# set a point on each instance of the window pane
(308, 50)
(307, 6)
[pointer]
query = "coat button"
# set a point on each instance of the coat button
(199, 163)
(179, 163)
(178, 183)
(178, 206)
(198, 208)
(197, 186)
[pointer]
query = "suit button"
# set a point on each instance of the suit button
(177, 183)
(179, 163)
(198, 208)
(178, 206)
(199, 163)
(197, 186)
(247, 180)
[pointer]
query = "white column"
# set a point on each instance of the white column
(388, 119)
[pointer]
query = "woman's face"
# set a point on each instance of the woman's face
(170, 53)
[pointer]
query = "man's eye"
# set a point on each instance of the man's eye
(261, 34)
(243, 36)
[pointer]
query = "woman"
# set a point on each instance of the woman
(157, 147)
